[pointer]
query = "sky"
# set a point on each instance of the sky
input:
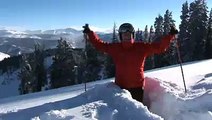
(163, 94)
(102, 14)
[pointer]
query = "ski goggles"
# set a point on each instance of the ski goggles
(126, 30)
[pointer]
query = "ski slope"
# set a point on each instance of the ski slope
(164, 94)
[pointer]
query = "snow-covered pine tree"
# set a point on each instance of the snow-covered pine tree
(26, 77)
(183, 37)
(62, 69)
(33, 73)
(198, 28)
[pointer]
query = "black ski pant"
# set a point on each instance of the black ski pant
(137, 93)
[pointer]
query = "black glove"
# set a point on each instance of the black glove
(173, 31)
(86, 29)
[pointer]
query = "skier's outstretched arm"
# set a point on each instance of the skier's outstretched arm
(95, 40)
(163, 44)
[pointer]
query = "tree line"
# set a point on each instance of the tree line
(69, 67)
(194, 40)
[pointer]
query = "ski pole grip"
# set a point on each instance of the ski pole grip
(86, 25)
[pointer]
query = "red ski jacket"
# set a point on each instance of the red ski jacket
(129, 62)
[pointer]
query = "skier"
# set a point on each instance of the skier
(129, 56)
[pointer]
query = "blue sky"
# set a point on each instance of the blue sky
(51, 14)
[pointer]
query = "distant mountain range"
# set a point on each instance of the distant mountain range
(17, 42)
(39, 34)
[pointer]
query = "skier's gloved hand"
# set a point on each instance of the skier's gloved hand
(86, 29)
(173, 30)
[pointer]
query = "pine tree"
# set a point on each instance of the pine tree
(170, 54)
(110, 66)
(33, 73)
(208, 46)
(151, 34)
(114, 39)
(159, 60)
(197, 28)
(62, 73)
(93, 63)
(150, 63)
(26, 77)
(146, 34)
(158, 26)
(167, 22)
(40, 71)
(138, 35)
(108, 63)
(183, 37)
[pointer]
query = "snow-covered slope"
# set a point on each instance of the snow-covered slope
(3, 55)
(164, 94)
(9, 85)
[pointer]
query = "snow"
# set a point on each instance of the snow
(9, 84)
(3, 55)
(103, 100)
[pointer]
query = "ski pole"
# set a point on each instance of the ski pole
(180, 60)
(85, 52)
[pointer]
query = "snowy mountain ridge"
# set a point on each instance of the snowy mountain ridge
(14, 42)
(33, 33)
(55, 31)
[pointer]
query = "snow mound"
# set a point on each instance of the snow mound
(165, 100)
(105, 102)
(121, 102)
(169, 101)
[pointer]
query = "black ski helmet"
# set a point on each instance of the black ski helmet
(126, 27)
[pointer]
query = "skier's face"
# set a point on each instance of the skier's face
(127, 37)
